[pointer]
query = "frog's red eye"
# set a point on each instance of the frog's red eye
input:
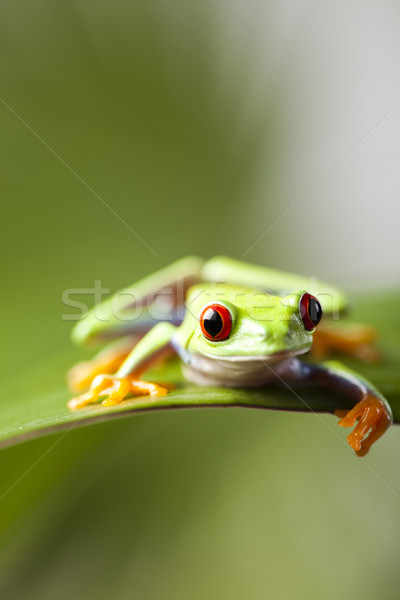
(310, 311)
(216, 322)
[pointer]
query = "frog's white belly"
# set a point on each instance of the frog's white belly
(237, 371)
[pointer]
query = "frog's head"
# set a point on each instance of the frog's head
(237, 323)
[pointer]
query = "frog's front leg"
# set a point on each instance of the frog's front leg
(353, 339)
(371, 412)
(115, 388)
(108, 360)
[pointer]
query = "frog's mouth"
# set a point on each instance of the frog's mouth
(239, 370)
(270, 358)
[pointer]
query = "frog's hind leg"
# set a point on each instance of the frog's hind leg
(353, 339)
(107, 361)
(371, 414)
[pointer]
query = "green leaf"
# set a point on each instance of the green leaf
(39, 400)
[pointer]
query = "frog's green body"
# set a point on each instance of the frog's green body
(267, 329)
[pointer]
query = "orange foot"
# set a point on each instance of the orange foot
(354, 340)
(82, 374)
(371, 414)
(114, 390)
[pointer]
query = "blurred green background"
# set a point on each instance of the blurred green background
(199, 125)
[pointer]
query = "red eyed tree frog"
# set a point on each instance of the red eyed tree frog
(232, 324)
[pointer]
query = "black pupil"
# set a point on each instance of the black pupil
(314, 311)
(212, 322)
